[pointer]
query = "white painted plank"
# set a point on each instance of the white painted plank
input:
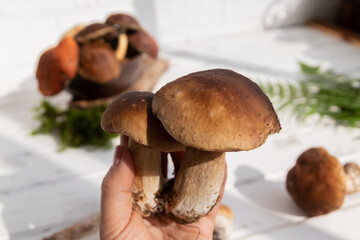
(43, 209)
(264, 206)
(341, 224)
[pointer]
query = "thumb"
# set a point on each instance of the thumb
(116, 198)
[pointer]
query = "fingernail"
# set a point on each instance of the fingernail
(117, 155)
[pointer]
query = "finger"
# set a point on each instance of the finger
(215, 209)
(116, 198)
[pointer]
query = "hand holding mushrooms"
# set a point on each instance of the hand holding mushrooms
(120, 221)
(205, 114)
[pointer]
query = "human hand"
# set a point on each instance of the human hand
(119, 221)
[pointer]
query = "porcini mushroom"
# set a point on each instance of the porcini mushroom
(57, 65)
(223, 223)
(125, 25)
(121, 18)
(352, 177)
(211, 112)
(130, 114)
(143, 42)
(138, 37)
(98, 62)
(317, 182)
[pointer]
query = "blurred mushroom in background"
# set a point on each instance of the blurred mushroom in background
(106, 59)
(223, 223)
(57, 65)
(318, 182)
(94, 63)
(352, 177)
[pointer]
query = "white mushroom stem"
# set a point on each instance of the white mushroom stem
(352, 177)
(121, 50)
(197, 185)
(148, 181)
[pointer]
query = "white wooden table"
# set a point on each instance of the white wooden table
(43, 191)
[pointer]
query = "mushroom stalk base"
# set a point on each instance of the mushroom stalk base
(148, 181)
(197, 185)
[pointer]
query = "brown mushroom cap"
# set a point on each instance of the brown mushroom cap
(138, 38)
(123, 20)
(131, 114)
(98, 62)
(216, 110)
(143, 42)
(95, 31)
(317, 182)
(57, 65)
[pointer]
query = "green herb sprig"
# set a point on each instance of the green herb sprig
(74, 127)
(325, 93)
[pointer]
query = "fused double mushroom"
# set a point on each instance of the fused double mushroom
(95, 52)
(206, 114)
(318, 182)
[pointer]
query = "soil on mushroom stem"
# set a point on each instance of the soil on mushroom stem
(73, 127)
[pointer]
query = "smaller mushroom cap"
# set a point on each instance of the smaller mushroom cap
(57, 65)
(130, 114)
(98, 62)
(130, 24)
(95, 31)
(216, 110)
(143, 42)
(138, 38)
(121, 18)
(317, 182)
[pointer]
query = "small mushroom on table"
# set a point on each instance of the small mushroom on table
(352, 177)
(318, 182)
(223, 223)
(130, 114)
(211, 112)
